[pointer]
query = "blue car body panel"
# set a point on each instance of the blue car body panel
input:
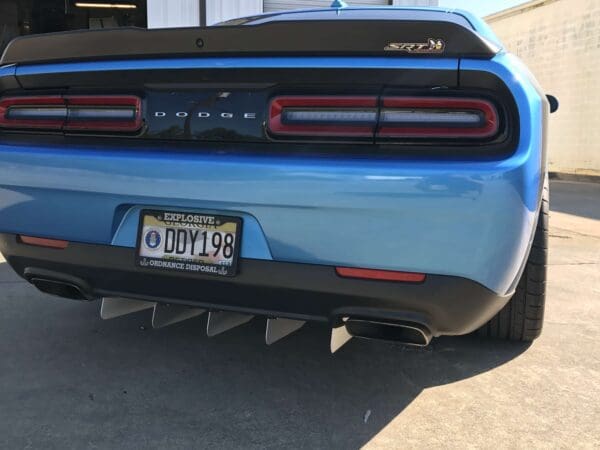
(468, 218)
(240, 63)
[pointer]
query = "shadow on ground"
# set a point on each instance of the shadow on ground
(578, 199)
(70, 380)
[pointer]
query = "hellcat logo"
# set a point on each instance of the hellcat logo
(431, 46)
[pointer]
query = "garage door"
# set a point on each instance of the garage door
(278, 5)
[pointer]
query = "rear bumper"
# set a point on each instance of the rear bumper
(446, 305)
(470, 219)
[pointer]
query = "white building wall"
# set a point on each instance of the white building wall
(173, 13)
(220, 10)
(559, 40)
(186, 13)
(278, 5)
(416, 3)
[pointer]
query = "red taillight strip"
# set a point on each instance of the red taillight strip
(397, 117)
(488, 126)
(97, 104)
(50, 102)
(337, 128)
(381, 275)
(43, 242)
(122, 113)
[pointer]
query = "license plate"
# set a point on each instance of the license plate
(189, 242)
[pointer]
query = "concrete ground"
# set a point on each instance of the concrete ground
(70, 380)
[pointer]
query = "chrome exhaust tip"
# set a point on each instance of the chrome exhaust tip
(407, 333)
(60, 288)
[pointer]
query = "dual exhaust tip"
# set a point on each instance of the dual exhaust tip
(59, 288)
(407, 333)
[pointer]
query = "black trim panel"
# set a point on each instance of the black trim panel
(446, 305)
(251, 89)
(8, 81)
(318, 37)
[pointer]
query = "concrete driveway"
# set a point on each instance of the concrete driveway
(70, 380)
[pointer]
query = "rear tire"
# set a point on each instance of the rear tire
(522, 318)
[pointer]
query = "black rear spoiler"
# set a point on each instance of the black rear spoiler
(394, 38)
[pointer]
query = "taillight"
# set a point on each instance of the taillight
(387, 119)
(323, 116)
(122, 113)
(431, 117)
(104, 113)
(33, 112)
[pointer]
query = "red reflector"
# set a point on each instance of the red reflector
(383, 275)
(423, 117)
(323, 116)
(42, 242)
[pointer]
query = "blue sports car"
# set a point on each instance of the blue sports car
(381, 170)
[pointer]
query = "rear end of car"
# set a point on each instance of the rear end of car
(382, 174)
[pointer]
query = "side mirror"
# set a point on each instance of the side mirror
(553, 103)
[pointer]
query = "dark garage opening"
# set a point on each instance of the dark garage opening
(23, 17)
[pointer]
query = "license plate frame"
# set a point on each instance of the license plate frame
(208, 222)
